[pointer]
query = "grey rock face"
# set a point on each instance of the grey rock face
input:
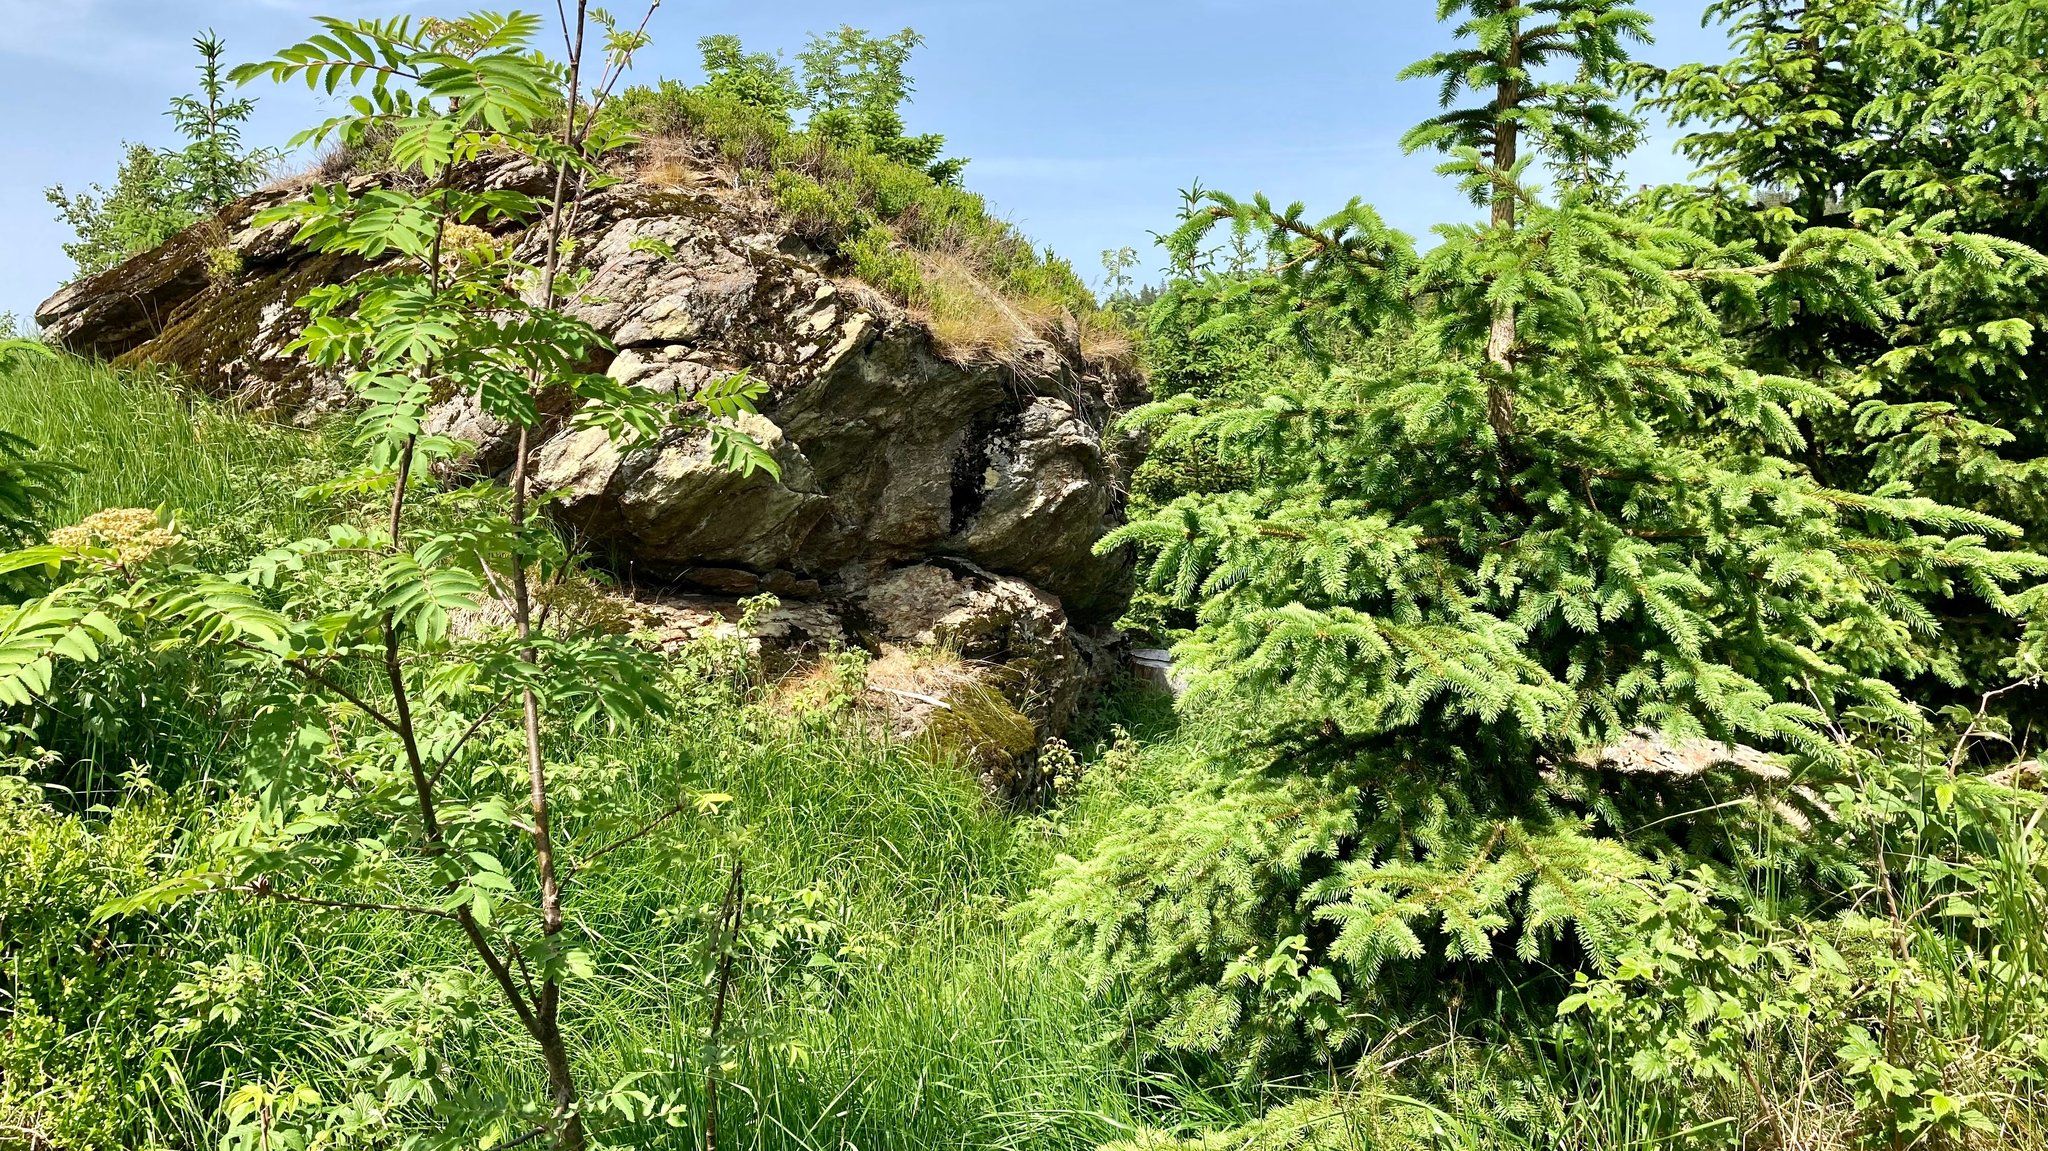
(671, 505)
(1038, 505)
(987, 619)
(930, 495)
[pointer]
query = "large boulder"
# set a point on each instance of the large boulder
(988, 664)
(925, 495)
(672, 505)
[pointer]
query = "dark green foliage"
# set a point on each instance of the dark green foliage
(1912, 122)
(750, 79)
(1537, 498)
(31, 480)
(856, 85)
(30, 485)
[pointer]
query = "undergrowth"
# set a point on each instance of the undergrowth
(1910, 1010)
(875, 997)
(883, 993)
(232, 485)
(140, 440)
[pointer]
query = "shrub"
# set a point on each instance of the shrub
(223, 266)
(1918, 1018)
(81, 1000)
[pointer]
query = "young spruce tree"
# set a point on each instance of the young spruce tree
(1913, 125)
(158, 193)
(1555, 522)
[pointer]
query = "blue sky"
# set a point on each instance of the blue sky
(1082, 117)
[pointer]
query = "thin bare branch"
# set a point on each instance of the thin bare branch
(261, 889)
(1694, 274)
(468, 733)
(408, 734)
(501, 973)
(729, 918)
(617, 70)
(358, 702)
(645, 830)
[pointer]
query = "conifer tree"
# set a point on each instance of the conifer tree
(1557, 510)
(1511, 43)
(158, 193)
(1912, 122)
(218, 167)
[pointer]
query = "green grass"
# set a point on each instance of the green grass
(896, 1013)
(879, 1002)
(140, 440)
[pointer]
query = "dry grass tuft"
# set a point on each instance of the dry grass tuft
(677, 162)
(972, 321)
(865, 296)
(832, 684)
(908, 684)
(955, 708)
(1104, 339)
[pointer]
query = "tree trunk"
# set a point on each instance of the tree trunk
(561, 1080)
(1500, 343)
(569, 1135)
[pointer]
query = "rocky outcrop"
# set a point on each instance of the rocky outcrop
(673, 506)
(927, 498)
(227, 334)
(983, 666)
